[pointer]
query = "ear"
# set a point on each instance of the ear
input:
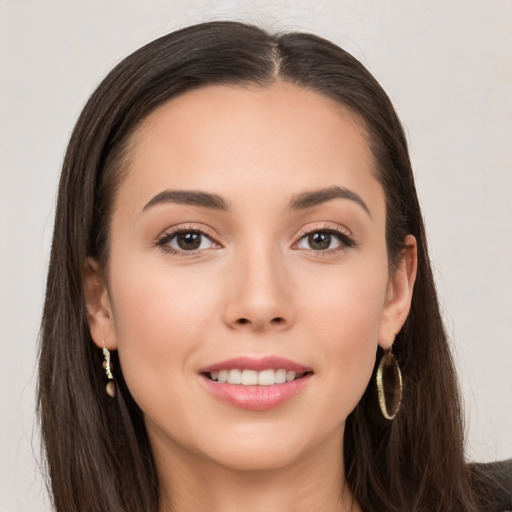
(99, 310)
(399, 293)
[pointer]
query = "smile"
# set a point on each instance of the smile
(256, 384)
(254, 378)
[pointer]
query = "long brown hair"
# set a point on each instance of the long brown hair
(98, 454)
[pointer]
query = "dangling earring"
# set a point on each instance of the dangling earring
(389, 385)
(107, 365)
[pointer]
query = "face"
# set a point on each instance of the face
(248, 244)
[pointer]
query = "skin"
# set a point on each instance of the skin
(256, 288)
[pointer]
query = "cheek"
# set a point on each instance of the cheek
(347, 302)
(343, 314)
(161, 318)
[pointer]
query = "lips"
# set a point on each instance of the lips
(256, 383)
(257, 364)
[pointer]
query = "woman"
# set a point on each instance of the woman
(240, 312)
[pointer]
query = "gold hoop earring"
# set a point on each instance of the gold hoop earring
(389, 385)
(107, 366)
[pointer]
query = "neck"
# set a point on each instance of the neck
(314, 483)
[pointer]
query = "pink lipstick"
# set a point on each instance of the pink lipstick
(255, 383)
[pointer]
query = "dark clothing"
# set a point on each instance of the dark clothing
(498, 475)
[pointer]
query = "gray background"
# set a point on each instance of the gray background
(446, 66)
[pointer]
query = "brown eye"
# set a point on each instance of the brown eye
(325, 240)
(188, 241)
(319, 241)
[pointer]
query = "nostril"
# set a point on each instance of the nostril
(276, 321)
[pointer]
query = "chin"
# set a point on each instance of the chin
(254, 457)
(268, 447)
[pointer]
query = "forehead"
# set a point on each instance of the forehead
(249, 139)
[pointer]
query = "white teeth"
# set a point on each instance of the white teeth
(280, 376)
(267, 378)
(249, 377)
(253, 378)
(290, 376)
(235, 377)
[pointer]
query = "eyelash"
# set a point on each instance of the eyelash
(167, 236)
(346, 241)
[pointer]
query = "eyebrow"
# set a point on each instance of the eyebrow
(190, 197)
(300, 201)
(316, 197)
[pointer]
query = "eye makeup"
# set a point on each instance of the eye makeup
(187, 240)
(320, 239)
(191, 240)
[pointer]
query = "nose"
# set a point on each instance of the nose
(260, 293)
